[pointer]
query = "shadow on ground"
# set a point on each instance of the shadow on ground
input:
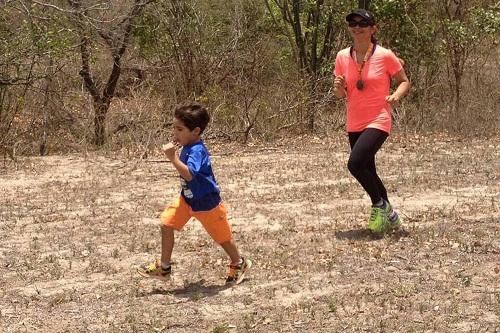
(367, 235)
(192, 290)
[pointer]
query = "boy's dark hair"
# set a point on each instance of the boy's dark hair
(192, 115)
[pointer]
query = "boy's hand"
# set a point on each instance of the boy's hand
(169, 150)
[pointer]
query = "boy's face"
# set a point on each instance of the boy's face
(183, 135)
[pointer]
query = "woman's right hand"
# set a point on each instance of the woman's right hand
(339, 86)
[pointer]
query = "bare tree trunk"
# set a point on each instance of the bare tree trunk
(117, 42)
(183, 45)
(365, 4)
(458, 54)
(45, 110)
(458, 94)
(299, 38)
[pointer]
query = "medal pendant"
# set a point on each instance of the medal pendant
(360, 84)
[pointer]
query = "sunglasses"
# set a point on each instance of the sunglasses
(361, 24)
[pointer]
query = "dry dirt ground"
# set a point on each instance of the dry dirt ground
(73, 229)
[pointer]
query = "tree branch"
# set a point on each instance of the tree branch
(117, 54)
(85, 71)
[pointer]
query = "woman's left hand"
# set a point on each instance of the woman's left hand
(403, 85)
(393, 99)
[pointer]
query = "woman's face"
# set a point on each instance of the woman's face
(359, 29)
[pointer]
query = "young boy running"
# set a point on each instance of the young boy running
(199, 197)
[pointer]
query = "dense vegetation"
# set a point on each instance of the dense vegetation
(82, 73)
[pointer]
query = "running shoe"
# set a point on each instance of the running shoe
(155, 271)
(236, 273)
(378, 222)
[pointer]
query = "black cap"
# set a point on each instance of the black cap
(366, 15)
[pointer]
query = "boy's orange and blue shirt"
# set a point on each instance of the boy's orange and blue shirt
(201, 193)
(200, 197)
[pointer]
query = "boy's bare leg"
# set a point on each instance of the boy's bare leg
(167, 244)
(232, 251)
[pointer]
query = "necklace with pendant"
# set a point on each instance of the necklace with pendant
(360, 84)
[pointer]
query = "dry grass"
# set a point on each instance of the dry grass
(73, 228)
